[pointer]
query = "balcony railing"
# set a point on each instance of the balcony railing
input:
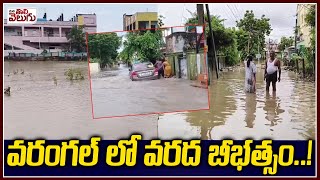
(51, 35)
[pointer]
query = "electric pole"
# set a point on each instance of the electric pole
(295, 36)
(212, 38)
(201, 21)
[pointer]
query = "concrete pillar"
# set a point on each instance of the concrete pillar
(137, 25)
(42, 31)
(22, 31)
(149, 25)
(59, 31)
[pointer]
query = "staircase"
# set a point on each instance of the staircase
(16, 41)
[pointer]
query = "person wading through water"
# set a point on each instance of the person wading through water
(272, 67)
(159, 66)
(251, 70)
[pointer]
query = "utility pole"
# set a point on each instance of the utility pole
(295, 36)
(249, 42)
(212, 37)
(200, 13)
(258, 49)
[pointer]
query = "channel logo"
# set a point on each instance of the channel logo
(22, 16)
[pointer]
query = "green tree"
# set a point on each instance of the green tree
(76, 38)
(311, 21)
(104, 47)
(145, 45)
(222, 36)
(309, 53)
(255, 29)
(225, 38)
(285, 42)
(242, 42)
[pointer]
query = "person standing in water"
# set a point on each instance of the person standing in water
(160, 68)
(251, 70)
(272, 67)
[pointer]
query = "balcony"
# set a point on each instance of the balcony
(46, 39)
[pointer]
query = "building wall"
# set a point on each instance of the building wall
(12, 31)
(147, 16)
(33, 34)
(140, 20)
(64, 31)
(304, 29)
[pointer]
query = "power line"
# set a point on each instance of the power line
(229, 16)
(232, 12)
(236, 10)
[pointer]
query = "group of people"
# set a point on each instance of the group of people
(272, 68)
(164, 68)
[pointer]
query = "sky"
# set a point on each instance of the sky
(109, 16)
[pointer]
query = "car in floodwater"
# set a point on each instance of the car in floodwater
(143, 71)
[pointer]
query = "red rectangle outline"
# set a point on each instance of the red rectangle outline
(151, 113)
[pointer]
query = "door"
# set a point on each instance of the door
(183, 68)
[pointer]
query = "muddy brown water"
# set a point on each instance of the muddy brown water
(114, 94)
(43, 103)
(288, 114)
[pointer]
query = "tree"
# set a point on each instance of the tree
(222, 36)
(225, 38)
(255, 31)
(310, 52)
(76, 38)
(285, 42)
(104, 47)
(144, 45)
(160, 20)
(311, 21)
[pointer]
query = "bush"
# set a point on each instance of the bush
(94, 60)
(74, 74)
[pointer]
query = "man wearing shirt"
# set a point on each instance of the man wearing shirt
(272, 67)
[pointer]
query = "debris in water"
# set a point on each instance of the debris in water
(7, 91)
(55, 80)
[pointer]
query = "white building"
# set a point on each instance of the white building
(303, 34)
(44, 34)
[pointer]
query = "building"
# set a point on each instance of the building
(44, 34)
(184, 50)
(303, 35)
(140, 20)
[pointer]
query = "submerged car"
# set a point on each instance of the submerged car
(143, 71)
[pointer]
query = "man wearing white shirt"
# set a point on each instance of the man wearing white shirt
(272, 68)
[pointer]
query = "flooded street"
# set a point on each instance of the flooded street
(288, 114)
(43, 103)
(114, 94)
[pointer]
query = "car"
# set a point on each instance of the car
(143, 71)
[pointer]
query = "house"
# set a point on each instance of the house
(303, 34)
(44, 34)
(140, 20)
(185, 53)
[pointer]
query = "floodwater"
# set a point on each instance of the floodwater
(43, 103)
(114, 94)
(288, 114)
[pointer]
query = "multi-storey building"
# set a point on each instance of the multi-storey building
(140, 20)
(45, 34)
(303, 35)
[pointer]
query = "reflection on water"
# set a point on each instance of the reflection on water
(287, 114)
